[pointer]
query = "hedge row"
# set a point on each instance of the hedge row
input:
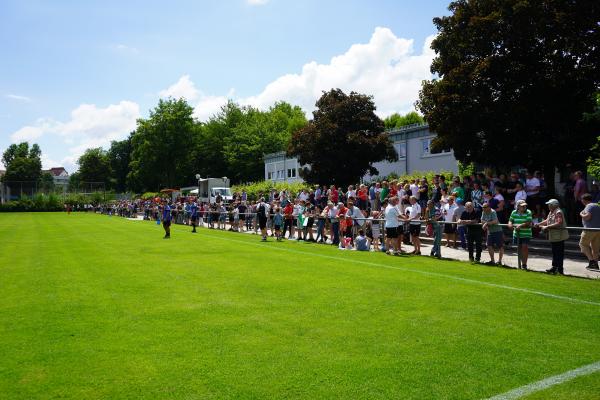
(52, 202)
(254, 189)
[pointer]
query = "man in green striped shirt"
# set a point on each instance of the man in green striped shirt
(520, 222)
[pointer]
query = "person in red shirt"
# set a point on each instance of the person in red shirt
(393, 189)
(288, 220)
(363, 197)
(333, 194)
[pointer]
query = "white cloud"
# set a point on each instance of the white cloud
(386, 67)
(123, 48)
(89, 126)
(257, 2)
(184, 87)
(18, 97)
(27, 134)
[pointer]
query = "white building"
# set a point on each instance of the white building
(59, 175)
(280, 168)
(412, 143)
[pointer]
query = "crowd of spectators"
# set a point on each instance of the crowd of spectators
(466, 213)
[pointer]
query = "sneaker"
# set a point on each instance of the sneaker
(551, 271)
(593, 266)
(490, 263)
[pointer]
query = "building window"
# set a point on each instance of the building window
(426, 146)
(291, 172)
(401, 149)
(269, 175)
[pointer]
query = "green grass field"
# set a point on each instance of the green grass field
(97, 307)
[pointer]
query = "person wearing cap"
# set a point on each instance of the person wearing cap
(495, 239)
(520, 222)
(555, 224)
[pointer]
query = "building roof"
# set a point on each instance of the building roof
(56, 171)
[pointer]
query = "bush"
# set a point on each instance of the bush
(40, 202)
(264, 187)
(418, 175)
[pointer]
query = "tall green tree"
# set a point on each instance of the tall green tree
(23, 163)
(343, 140)
(46, 182)
(119, 157)
(162, 147)
(232, 143)
(514, 78)
(94, 166)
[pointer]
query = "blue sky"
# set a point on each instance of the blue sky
(77, 74)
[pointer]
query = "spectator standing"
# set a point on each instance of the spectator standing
(555, 225)
(578, 191)
(520, 194)
(262, 210)
(590, 240)
(414, 218)
(532, 189)
(495, 239)
(392, 223)
(433, 215)
(477, 195)
(520, 222)
(448, 210)
(471, 219)
(423, 193)
(335, 223)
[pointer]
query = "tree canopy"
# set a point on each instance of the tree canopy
(162, 144)
(342, 141)
(514, 78)
(398, 120)
(23, 163)
(94, 166)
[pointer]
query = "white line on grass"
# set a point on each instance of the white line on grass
(548, 382)
(437, 274)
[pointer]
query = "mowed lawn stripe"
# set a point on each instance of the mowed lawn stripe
(119, 312)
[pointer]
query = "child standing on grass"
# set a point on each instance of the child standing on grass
(277, 222)
(375, 229)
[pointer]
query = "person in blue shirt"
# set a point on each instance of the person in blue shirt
(166, 219)
(193, 210)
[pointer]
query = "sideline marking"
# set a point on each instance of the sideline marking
(437, 274)
(548, 382)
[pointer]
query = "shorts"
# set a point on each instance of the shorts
(242, 217)
(495, 239)
(524, 241)
(166, 224)
(414, 229)
(450, 228)
(262, 223)
(590, 239)
(391, 233)
(277, 227)
(194, 219)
